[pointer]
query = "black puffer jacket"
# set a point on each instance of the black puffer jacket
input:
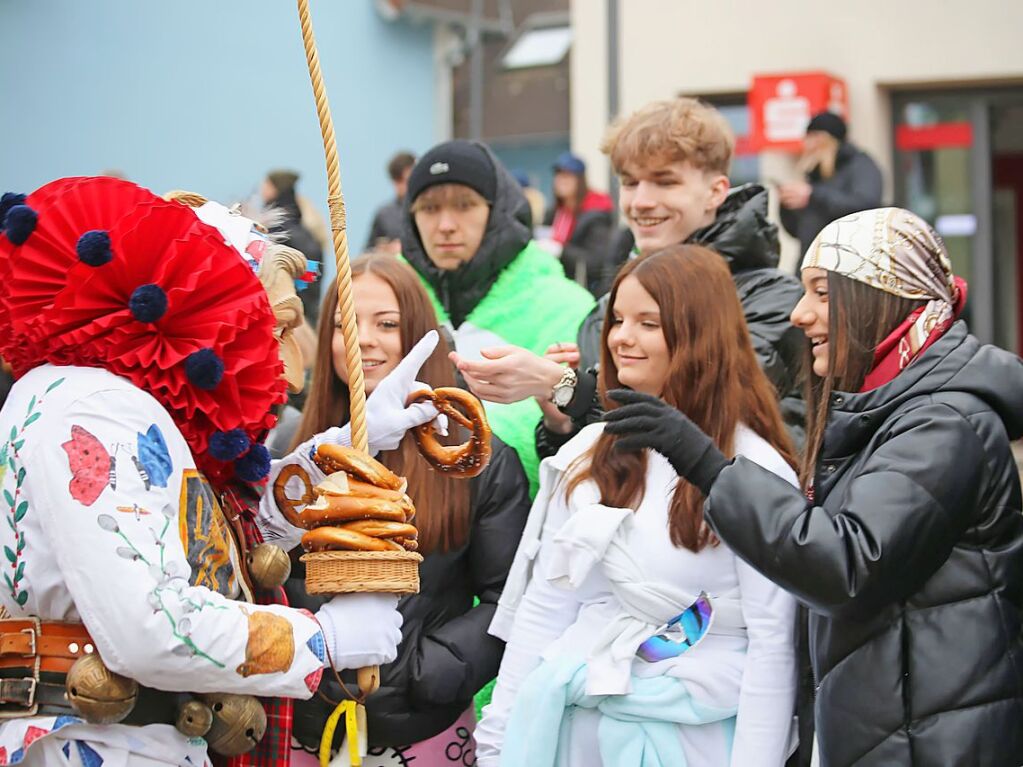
(585, 254)
(748, 242)
(446, 655)
(911, 562)
(509, 230)
(856, 185)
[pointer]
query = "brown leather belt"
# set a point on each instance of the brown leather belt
(55, 645)
(35, 657)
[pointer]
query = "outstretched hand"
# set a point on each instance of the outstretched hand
(647, 422)
(508, 374)
(388, 416)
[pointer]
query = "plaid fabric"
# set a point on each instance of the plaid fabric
(274, 750)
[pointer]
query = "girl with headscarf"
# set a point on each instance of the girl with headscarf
(906, 541)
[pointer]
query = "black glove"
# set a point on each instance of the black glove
(645, 422)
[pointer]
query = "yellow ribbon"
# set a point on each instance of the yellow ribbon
(346, 707)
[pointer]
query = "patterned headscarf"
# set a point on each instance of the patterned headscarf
(894, 250)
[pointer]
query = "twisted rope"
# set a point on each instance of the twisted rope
(338, 225)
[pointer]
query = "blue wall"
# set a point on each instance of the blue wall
(208, 95)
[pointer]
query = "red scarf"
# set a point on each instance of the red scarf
(895, 353)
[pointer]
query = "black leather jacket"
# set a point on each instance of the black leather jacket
(446, 655)
(748, 242)
(910, 561)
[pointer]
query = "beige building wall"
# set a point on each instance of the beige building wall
(695, 47)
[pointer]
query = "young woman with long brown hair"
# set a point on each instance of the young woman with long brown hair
(596, 672)
(468, 532)
(906, 540)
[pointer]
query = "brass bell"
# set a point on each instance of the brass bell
(269, 566)
(97, 693)
(239, 723)
(194, 719)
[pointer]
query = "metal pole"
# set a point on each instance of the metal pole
(612, 85)
(982, 316)
(476, 72)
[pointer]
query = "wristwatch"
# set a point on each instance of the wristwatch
(564, 389)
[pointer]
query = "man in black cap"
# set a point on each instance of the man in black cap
(467, 231)
(839, 179)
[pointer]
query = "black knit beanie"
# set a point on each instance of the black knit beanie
(830, 123)
(454, 162)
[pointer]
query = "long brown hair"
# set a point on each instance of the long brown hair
(442, 503)
(713, 377)
(860, 317)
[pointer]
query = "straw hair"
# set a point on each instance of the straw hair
(678, 130)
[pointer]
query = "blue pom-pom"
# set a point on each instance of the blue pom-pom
(94, 248)
(8, 201)
(204, 369)
(148, 303)
(19, 223)
(254, 465)
(228, 445)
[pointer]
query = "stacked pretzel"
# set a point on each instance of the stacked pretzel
(360, 506)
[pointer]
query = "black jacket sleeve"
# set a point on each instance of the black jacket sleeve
(375, 231)
(857, 187)
(589, 246)
(893, 527)
(790, 220)
(452, 662)
(585, 407)
(768, 298)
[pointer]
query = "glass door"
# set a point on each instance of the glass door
(959, 165)
(935, 148)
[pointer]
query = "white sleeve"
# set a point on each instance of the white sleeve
(269, 519)
(763, 728)
(543, 615)
(767, 697)
(139, 540)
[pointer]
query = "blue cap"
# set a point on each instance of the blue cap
(522, 177)
(570, 163)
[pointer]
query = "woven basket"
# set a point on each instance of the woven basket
(347, 572)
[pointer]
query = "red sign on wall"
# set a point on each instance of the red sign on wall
(780, 106)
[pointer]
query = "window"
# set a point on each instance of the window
(538, 47)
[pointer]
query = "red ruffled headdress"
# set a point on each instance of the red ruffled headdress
(101, 273)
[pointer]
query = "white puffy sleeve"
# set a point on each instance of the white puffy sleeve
(146, 555)
(764, 722)
(292, 477)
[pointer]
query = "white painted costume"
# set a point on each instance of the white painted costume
(589, 585)
(148, 361)
(108, 522)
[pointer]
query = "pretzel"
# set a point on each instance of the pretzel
(338, 538)
(339, 509)
(465, 460)
(378, 528)
(331, 458)
(287, 505)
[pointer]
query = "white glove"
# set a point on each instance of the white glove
(387, 417)
(387, 420)
(361, 629)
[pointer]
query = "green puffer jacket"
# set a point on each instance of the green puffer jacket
(533, 305)
(510, 292)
